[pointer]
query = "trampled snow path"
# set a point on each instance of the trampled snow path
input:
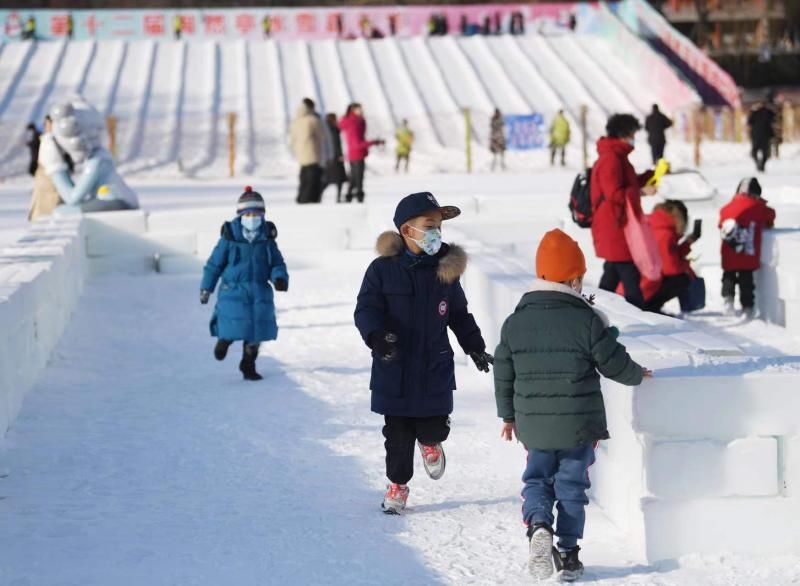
(138, 459)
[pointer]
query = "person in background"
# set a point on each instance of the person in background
(32, 140)
(177, 26)
(307, 139)
(668, 221)
(335, 173)
(29, 29)
(559, 138)
(70, 26)
(553, 349)
(761, 123)
(354, 127)
(50, 159)
(497, 139)
(247, 259)
(266, 25)
(656, 125)
(614, 185)
(742, 222)
(405, 139)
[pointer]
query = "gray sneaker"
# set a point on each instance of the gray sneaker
(433, 459)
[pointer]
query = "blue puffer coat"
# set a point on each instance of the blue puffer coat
(245, 309)
(417, 298)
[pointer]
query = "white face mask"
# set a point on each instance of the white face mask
(431, 240)
(251, 223)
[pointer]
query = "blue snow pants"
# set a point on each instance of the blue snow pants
(559, 477)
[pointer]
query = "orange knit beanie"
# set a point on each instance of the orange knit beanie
(559, 258)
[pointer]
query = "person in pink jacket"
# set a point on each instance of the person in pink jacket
(354, 127)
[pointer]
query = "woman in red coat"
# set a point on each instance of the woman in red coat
(742, 222)
(614, 182)
(354, 127)
(668, 222)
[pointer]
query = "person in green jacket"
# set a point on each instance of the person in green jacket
(547, 369)
(559, 137)
(405, 138)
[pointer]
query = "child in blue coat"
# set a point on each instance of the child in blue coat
(411, 295)
(247, 259)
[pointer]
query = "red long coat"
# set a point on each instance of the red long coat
(355, 132)
(613, 182)
(752, 215)
(673, 254)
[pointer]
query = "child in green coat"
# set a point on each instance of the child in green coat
(547, 389)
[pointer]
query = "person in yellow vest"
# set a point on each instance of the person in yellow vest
(559, 137)
(29, 30)
(177, 26)
(405, 138)
(70, 26)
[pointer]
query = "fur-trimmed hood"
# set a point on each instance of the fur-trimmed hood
(543, 285)
(452, 258)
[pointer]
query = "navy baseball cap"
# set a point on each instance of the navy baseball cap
(417, 204)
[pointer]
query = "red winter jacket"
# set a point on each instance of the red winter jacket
(752, 215)
(613, 182)
(673, 254)
(355, 132)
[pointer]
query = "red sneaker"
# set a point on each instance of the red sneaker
(394, 501)
(433, 459)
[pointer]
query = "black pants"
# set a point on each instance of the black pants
(747, 287)
(356, 190)
(657, 150)
(628, 274)
(310, 190)
(760, 153)
(402, 433)
(671, 287)
(556, 149)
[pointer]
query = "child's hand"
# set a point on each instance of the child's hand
(281, 285)
(385, 345)
(509, 431)
(482, 360)
(649, 190)
(647, 373)
(205, 294)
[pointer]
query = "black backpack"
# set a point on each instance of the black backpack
(580, 199)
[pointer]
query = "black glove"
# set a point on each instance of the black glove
(384, 344)
(482, 360)
(281, 285)
(204, 295)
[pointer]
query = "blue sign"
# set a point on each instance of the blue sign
(525, 132)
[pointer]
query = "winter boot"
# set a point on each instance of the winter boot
(571, 566)
(221, 349)
(729, 309)
(248, 363)
(749, 313)
(433, 459)
(394, 501)
(541, 554)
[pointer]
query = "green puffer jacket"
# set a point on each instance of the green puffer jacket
(546, 368)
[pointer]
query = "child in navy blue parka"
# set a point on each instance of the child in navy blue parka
(247, 259)
(411, 294)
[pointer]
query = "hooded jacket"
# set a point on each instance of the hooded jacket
(673, 252)
(752, 215)
(355, 133)
(417, 298)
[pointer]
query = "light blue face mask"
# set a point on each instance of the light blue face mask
(632, 142)
(252, 223)
(431, 240)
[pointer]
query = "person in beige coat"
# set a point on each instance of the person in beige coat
(45, 198)
(307, 139)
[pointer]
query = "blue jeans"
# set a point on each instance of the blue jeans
(563, 476)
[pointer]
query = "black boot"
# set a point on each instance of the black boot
(248, 363)
(221, 349)
(572, 568)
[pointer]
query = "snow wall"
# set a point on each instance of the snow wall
(712, 440)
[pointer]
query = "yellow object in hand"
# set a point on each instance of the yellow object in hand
(662, 168)
(103, 192)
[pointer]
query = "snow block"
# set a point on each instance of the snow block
(180, 265)
(702, 468)
(190, 220)
(125, 264)
(147, 244)
(705, 403)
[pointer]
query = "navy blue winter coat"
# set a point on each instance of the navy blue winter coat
(245, 309)
(417, 298)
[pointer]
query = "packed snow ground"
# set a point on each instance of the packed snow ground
(139, 459)
(150, 462)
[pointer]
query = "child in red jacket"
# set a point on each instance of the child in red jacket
(668, 222)
(741, 223)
